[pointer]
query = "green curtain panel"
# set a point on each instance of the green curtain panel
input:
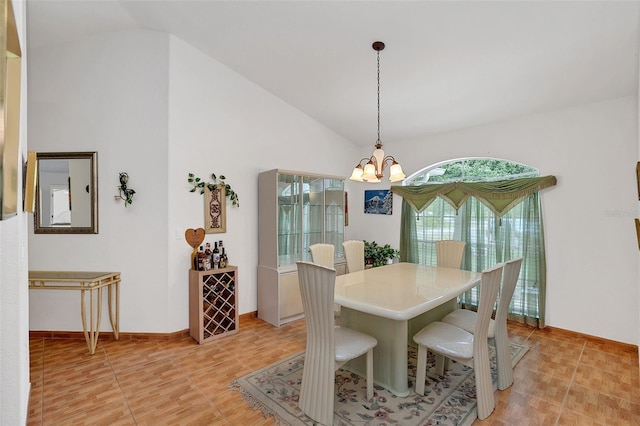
(499, 196)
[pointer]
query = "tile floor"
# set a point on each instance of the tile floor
(564, 379)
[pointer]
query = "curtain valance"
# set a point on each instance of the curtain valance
(499, 196)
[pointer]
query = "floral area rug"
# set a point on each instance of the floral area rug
(448, 400)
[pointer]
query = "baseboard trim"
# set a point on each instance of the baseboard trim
(625, 347)
(107, 335)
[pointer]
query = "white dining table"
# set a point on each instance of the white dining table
(392, 303)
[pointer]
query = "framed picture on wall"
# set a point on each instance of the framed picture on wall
(378, 201)
(215, 210)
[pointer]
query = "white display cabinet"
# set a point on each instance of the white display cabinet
(297, 210)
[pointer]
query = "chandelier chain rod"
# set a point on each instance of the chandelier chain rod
(379, 96)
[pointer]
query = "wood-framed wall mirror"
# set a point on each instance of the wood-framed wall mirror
(67, 193)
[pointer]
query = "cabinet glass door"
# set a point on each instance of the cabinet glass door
(310, 211)
(334, 214)
(313, 214)
(289, 219)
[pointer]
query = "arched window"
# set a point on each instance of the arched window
(471, 170)
(490, 238)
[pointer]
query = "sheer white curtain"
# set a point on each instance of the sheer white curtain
(490, 240)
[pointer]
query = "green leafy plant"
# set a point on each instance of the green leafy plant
(377, 255)
(126, 194)
(214, 183)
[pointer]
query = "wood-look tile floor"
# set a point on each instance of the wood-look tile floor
(564, 379)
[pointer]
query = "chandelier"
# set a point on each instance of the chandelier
(376, 164)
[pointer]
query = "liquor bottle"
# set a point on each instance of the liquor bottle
(223, 264)
(208, 261)
(201, 258)
(216, 256)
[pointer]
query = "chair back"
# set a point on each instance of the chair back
(509, 280)
(510, 276)
(489, 285)
(317, 286)
(449, 253)
(354, 254)
(322, 254)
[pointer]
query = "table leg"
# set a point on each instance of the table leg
(96, 328)
(114, 317)
(91, 335)
(389, 356)
(83, 314)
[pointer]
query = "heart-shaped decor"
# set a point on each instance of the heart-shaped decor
(194, 237)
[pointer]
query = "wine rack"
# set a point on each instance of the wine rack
(213, 297)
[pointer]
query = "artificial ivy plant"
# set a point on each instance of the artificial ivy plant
(126, 194)
(214, 183)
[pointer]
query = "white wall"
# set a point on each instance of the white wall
(592, 251)
(221, 123)
(107, 94)
(157, 108)
(14, 301)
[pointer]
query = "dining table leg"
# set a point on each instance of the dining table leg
(390, 356)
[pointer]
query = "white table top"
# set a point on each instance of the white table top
(402, 291)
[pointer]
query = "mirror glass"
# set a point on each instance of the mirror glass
(67, 193)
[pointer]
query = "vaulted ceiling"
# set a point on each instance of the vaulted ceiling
(446, 65)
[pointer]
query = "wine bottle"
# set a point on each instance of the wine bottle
(208, 264)
(216, 256)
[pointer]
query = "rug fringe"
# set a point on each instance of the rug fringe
(255, 404)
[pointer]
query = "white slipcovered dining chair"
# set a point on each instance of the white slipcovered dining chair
(322, 254)
(447, 340)
(497, 334)
(354, 254)
(449, 253)
(328, 346)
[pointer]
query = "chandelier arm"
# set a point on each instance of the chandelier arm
(385, 164)
(364, 159)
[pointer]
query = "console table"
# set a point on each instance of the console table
(85, 282)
